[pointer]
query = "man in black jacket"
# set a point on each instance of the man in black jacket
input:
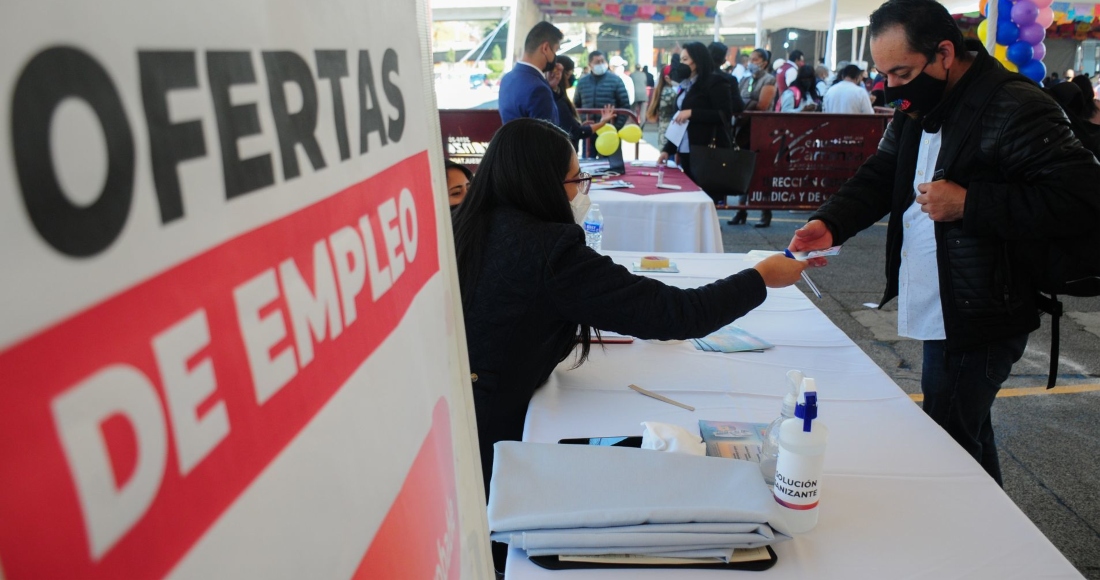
(963, 198)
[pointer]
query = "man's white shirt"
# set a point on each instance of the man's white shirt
(848, 98)
(920, 312)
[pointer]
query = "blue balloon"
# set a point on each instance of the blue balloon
(1020, 53)
(1007, 32)
(1004, 9)
(1034, 70)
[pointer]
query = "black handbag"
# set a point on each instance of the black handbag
(722, 171)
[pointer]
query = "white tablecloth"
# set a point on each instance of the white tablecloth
(665, 222)
(899, 498)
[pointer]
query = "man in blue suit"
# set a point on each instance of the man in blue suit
(524, 91)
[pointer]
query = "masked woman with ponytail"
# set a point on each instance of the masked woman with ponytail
(533, 292)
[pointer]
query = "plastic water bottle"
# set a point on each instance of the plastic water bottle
(593, 227)
(801, 459)
(769, 451)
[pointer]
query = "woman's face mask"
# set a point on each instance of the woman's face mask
(580, 204)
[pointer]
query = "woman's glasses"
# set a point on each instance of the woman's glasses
(583, 180)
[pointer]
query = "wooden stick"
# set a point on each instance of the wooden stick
(661, 398)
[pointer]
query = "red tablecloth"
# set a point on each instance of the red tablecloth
(647, 184)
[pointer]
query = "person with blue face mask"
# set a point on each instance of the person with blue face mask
(968, 190)
(601, 88)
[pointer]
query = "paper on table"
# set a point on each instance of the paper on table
(609, 185)
(739, 555)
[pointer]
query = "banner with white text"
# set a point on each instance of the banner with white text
(230, 338)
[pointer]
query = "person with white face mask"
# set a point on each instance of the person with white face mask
(601, 88)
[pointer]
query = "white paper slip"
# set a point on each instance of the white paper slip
(618, 183)
(816, 253)
(671, 269)
(739, 555)
(675, 132)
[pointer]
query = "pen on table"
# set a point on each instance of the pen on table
(805, 276)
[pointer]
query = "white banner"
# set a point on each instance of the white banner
(230, 338)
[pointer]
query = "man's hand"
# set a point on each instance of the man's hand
(812, 236)
(554, 76)
(942, 200)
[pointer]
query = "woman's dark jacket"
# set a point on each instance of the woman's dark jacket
(1027, 179)
(538, 282)
(711, 113)
(568, 122)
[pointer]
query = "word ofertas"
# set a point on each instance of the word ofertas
(59, 73)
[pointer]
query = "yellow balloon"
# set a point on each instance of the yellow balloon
(630, 133)
(607, 143)
(1000, 52)
(1011, 66)
(605, 129)
(983, 30)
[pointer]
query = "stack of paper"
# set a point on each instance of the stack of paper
(587, 500)
(731, 339)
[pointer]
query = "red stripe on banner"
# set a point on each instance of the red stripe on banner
(795, 506)
(419, 539)
(160, 405)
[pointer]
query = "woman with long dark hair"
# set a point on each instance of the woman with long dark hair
(533, 292)
(568, 119)
(704, 100)
(662, 105)
(802, 95)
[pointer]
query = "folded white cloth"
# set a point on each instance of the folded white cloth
(673, 438)
(590, 500)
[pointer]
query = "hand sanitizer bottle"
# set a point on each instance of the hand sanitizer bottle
(801, 458)
(769, 450)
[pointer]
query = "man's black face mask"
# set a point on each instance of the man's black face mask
(918, 96)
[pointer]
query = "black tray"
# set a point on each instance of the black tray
(553, 563)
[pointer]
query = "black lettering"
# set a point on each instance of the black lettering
(235, 121)
(293, 128)
(393, 94)
(169, 143)
(333, 65)
(370, 118)
(52, 76)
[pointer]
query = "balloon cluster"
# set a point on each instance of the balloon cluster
(1021, 27)
(607, 140)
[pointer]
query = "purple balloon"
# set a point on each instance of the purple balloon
(1032, 33)
(1024, 12)
(1038, 51)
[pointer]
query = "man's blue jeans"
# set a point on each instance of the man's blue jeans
(959, 390)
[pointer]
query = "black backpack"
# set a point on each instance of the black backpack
(1059, 268)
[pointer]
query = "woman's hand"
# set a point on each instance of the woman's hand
(607, 115)
(662, 158)
(682, 117)
(779, 271)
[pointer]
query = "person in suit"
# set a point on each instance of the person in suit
(533, 293)
(568, 119)
(718, 53)
(704, 100)
(524, 91)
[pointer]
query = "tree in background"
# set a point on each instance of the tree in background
(629, 57)
(451, 55)
(495, 54)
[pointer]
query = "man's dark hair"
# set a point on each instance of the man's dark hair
(540, 33)
(851, 72)
(594, 54)
(767, 56)
(926, 23)
(718, 52)
(699, 54)
(795, 56)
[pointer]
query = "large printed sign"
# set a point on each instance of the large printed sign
(801, 160)
(228, 345)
